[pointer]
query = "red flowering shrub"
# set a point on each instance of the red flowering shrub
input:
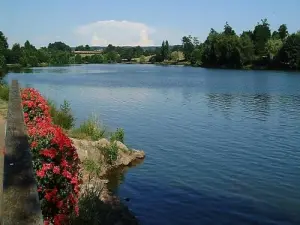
(55, 160)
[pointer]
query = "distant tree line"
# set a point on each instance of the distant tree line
(257, 48)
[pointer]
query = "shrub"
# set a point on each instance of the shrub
(55, 161)
(62, 116)
(118, 135)
(4, 92)
(111, 152)
(91, 166)
(90, 128)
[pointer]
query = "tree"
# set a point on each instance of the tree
(59, 46)
(283, 31)
(2, 62)
(247, 49)
(196, 57)
(175, 56)
(261, 35)
(28, 46)
(187, 47)
(15, 54)
(3, 42)
(3, 49)
(275, 35)
(142, 59)
(78, 59)
(228, 29)
(273, 46)
(289, 54)
(167, 50)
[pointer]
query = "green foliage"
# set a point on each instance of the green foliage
(247, 49)
(59, 46)
(91, 167)
(228, 30)
(142, 59)
(62, 116)
(187, 47)
(2, 62)
(111, 153)
(165, 50)
(118, 135)
(90, 129)
(261, 35)
(273, 46)
(289, 54)
(4, 92)
(78, 59)
(283, 31)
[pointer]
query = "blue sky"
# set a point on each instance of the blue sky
(136, 22)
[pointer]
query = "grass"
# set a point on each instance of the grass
(90, 129)
(111, 153)
(61, 116)
(4, 95)
(4, 92)
(91, 167)
(3, 108)
(118, 135)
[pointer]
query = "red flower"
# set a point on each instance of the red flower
(51, 153)
(34, 144)
(56, 169)
(40, 173)
(67, 174)
(59, 204)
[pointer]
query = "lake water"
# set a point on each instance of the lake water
(222, 146)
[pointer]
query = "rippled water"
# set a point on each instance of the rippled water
(222, 146)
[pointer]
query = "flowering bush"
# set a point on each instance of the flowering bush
(55, 160)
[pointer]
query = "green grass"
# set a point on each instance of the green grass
(3, 108)
(61, 116)
(92, 167)
(118, 135)
(4, 92)
(89, 129)
(110, 153)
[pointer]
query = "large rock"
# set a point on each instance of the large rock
(92, 150)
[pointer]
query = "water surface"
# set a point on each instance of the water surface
(222, 145)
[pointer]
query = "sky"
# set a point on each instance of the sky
(136, 22)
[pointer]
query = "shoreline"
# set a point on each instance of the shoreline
(18, 67)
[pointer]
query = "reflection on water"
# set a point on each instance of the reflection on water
(117, 176)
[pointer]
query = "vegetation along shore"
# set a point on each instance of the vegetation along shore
(259, 48)
(90, 151)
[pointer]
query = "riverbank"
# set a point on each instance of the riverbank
(106, 207)
(97, 204)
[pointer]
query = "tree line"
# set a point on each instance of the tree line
(257, 48)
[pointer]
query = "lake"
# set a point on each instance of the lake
(222, 146)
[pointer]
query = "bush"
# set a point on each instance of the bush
(118, 135)
(55, 161)
(63, 116)
(4, 92)
(111, 152)
(90, 128)
(92, 167)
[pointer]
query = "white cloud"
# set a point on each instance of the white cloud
(121, 33)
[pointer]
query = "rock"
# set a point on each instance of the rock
(122, 146)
